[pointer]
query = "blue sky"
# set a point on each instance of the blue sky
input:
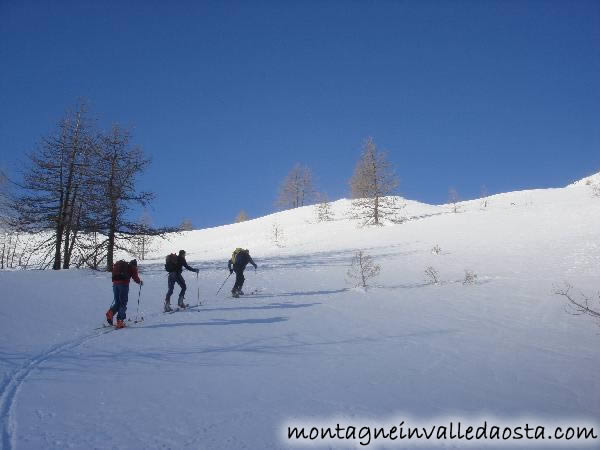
(227, 96)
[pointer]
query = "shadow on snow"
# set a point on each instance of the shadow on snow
(218, 322)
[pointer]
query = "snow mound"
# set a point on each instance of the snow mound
(587, 181)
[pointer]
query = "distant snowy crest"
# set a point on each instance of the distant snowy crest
(587, 181)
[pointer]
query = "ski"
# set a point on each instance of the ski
(253, 292)
(177, 309)
(106, 327)
(246, 294)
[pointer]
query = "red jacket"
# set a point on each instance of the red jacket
(133, 273)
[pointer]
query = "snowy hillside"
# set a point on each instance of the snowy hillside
(306, 346)
(588, 181)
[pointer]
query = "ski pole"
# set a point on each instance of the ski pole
(223, 283)
(197, 289)
(138, 306)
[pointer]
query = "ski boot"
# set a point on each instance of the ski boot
(120, 324)
(109, 316)
(168, 307)
(181, 304)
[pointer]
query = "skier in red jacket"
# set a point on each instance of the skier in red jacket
(122, 273)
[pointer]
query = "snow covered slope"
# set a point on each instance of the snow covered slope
(306, 345)
(587, 181)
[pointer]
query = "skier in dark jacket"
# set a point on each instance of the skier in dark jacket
(123, 272)
(239, 260)
(176, 277)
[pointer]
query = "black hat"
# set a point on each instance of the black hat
(182, 252)
(133, 262)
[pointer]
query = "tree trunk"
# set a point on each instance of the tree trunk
(58, 247)
(111, 238)
(74, 230)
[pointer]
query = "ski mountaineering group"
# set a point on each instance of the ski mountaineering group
(124, 271)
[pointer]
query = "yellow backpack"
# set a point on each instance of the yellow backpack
(235, 253)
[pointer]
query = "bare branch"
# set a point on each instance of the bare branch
(578, 306)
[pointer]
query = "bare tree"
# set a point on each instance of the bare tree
(372, 185)
(453, 198)
(362, 269)
(4, 202)
(16, 249)
(3, 218)
(116, 174)
(579, 306)
(92, 249)
(297, 188)
(3, 188)
(241, 217)
(77, 195)
(6, 245)
(186, 225)
(55, 180)
(143, 243)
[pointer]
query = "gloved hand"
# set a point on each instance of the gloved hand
(141, 282)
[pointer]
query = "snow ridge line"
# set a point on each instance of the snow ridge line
(12, 385)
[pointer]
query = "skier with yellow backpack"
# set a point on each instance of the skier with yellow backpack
(238, 262)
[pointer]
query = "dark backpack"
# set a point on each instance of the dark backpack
(171, 263)
(120, 271)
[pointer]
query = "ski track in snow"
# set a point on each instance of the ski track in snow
(12, 385)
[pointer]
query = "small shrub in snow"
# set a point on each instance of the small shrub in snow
(453, 198)
(484, 196)
(323, 210)
(432, 276)
(470, 277)
(277, 235)
(579, 305)
(436, 250)
(596, 190)
(362, 269)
